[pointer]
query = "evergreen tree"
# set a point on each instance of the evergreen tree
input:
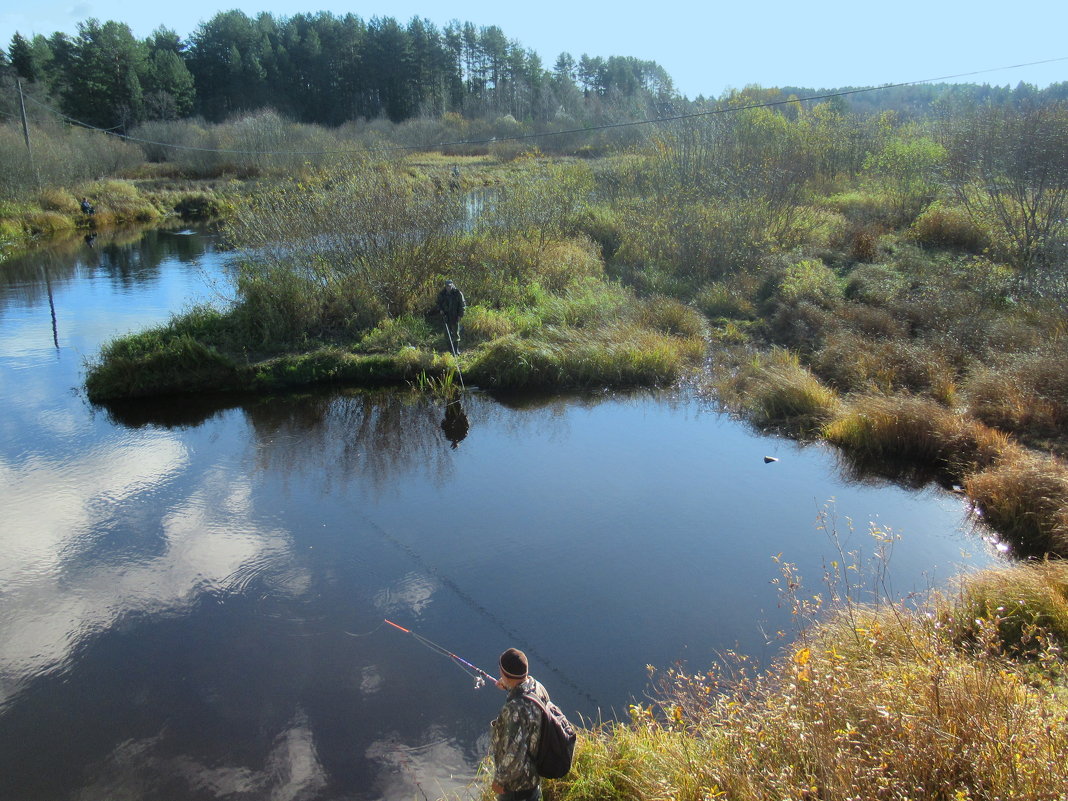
(22, 58)
(226, 58)
(102, 82)
(169, 92)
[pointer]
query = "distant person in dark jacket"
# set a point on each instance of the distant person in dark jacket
(87, 207)
(452, 306)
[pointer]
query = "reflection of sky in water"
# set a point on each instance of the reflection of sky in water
(62, 580)
(193, 604)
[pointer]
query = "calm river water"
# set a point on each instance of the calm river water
(194, 591)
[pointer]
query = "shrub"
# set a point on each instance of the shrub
(202, 206)
(863, 207)
(944, 226)
(346, 234)
(499, 270)
(698, 242)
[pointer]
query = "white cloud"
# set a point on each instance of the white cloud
(56, 597)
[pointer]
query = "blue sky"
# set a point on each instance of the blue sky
(706, 47)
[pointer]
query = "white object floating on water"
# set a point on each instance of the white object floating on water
(769, 459)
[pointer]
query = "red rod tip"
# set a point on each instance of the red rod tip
(394, 625)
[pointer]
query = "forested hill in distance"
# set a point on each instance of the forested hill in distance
(327, 69)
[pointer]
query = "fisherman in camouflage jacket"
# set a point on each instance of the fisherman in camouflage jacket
(515, 733)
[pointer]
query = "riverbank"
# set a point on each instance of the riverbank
(960, 696)
(149, 193)
(118, 202)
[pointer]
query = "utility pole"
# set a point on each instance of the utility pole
(26, 131)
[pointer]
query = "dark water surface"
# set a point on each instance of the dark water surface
(193, 592)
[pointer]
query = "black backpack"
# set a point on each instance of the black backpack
(556, 746)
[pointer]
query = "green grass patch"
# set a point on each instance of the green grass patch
(569, 358)
(160, 365)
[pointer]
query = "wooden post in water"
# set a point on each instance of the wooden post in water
(51, 306)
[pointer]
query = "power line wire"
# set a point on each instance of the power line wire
(543, 134)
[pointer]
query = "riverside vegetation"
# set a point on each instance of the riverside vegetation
(898, 287)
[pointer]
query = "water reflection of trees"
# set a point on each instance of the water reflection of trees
(126, 256)
(375, 436)
(370, 435)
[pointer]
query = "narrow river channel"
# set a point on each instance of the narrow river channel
(194, 590)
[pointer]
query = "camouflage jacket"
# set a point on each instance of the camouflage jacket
(514, 738)
(451, 303)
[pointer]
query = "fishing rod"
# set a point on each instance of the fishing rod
(455, 350)
(479, 674)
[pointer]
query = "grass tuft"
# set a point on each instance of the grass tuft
(780, 392)
(916, 429)
(1025, 498)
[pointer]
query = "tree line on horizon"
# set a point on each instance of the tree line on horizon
(321, 69)
(326, 69)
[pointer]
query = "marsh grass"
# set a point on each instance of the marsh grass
(945, 226)
(331, 365)
(776, 390)
(1023, 612)
(726, 300)
(1025, 498)
(575, 358)
(854, 363)
(154, 364)
(887, 700)
(917, 429)
(1027, 395)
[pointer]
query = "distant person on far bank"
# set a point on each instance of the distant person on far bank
(87, 207)
(452, 306)
(514, 735)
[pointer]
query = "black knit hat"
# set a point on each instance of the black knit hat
(514, 664)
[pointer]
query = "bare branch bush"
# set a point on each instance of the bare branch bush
(1009, 170)
(340, 252)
